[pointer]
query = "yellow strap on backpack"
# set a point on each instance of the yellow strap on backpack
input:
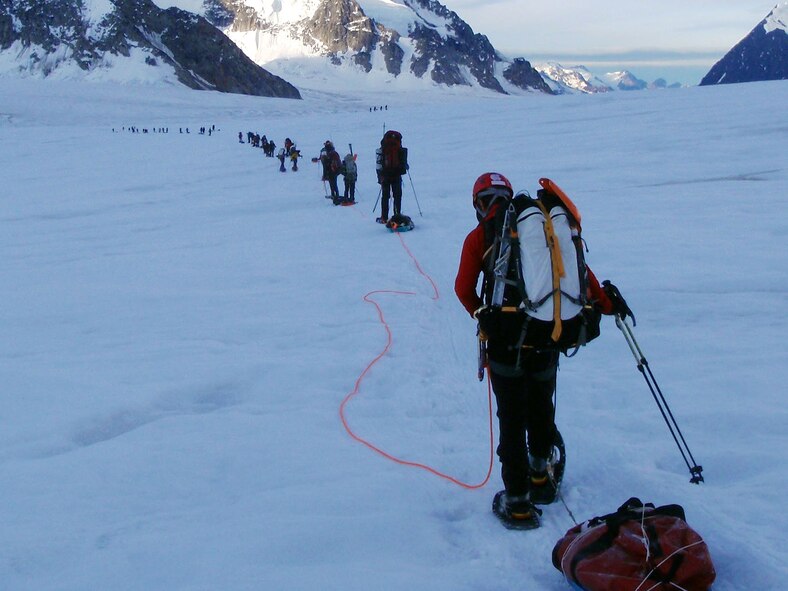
(557, 264)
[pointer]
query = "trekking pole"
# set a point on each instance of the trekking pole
(380, 192)
(414, 193)
(659, 398)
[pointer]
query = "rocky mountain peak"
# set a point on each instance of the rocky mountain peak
(761, 55)
(422, 39)
(83, 39)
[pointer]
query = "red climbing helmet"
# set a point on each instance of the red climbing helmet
(489, 188)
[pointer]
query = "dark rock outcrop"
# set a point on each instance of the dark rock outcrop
(201, 55)
(523, 75)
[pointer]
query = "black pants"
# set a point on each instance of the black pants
(389, 187)
(526, 417)
(332, 185)
(350, 190)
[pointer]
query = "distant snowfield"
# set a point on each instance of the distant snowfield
(182, 322)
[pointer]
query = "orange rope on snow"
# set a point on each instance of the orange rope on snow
(436, 295)
(357, 387)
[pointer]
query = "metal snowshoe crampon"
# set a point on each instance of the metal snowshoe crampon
(516, 512)
(546, 486)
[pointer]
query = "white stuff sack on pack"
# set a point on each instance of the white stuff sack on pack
(544, 266)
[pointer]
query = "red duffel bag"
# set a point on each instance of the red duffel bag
(637, 548)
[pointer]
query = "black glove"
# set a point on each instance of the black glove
(620, 307)
(487, 320)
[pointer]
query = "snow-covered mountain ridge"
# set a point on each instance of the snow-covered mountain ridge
(401, 43)
(330, 45)
(571, 79)
(777, 19)
(326, 45)
(126, 40)
(761, 55)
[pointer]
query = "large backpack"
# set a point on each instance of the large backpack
(637, 548)
(350, 169)
(535, 277)
(332, 163)
(393, 157)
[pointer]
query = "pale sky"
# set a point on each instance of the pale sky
(688, 35)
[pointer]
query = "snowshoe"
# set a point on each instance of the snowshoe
(399, 223)
(347, 202)
(381, 220)
(545, 487)
(516, 513)
(542, 490)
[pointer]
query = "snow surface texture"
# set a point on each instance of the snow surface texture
(182, 322)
